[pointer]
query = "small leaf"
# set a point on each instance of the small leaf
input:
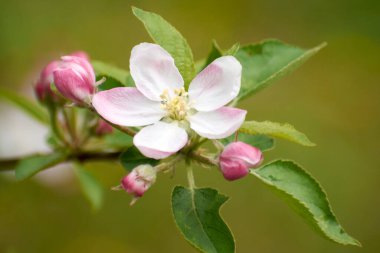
(33, 164)
(29, 107)
(196, 213)
(132, 158)
(171, 40)
(91, 188)
(110, 71)
(304, 194)
(268, 61)
(284, 131)
(214, 54)
(260, 141)
(233, 50)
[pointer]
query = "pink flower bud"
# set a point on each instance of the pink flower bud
(103, 128)
(42, 87)
(139, 180)
(75, 79)
(237, 158)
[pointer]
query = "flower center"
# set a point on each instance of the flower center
(177, 106)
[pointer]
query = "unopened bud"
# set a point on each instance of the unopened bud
(75, 79)
(139, 180)
(42, 88)
(237, 158)
(103, 128)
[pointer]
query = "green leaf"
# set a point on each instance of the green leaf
(260, 141)
(304, 194)
(170, 39)
(29, 107)
(196, 213)
(267, 62)
(90, 186)
(118, 140)
(110, 71)
(284, 131)
(233, 50)
(109, 83)
(33, 164)
(215, 53)
(132, 158)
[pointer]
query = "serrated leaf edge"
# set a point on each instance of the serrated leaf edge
(253, 172)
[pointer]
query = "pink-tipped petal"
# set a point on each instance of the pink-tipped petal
(237, 158)
(73, 86)
(217, 124)
(160, 140)
(81, 65)
(233, 169)
(42, 87)
(216, 85)
(126, 106)
(153, 70)
(250, 155)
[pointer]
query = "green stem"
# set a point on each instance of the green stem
(70, 124)
(190, 177)
(166, 165)
(54, 125)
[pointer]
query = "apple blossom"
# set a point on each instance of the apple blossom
(169, 112)
(75, 79)
(237, 158)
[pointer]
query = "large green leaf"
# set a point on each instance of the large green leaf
(33, 164)
(260, 141)
(170, 39)
(31, 108)
(284, 131)
(91, 188)
(304, 194)
(268, 61)
(196, 213)
(110, 71)
(132, 158)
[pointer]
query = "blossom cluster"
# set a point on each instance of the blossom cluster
(169, 118)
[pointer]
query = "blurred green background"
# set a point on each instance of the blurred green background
(334, 98)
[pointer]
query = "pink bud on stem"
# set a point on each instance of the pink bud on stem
(138, 181)
(237, 158)
(75, 79)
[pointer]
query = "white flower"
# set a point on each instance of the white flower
(161, 103)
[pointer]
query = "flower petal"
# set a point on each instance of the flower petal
(72, 86)
(80, 65)
(216, 85)
(160, 140)
(153, 70)
(126, 106)
(217, 124)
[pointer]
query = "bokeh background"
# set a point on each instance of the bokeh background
(334, 98)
